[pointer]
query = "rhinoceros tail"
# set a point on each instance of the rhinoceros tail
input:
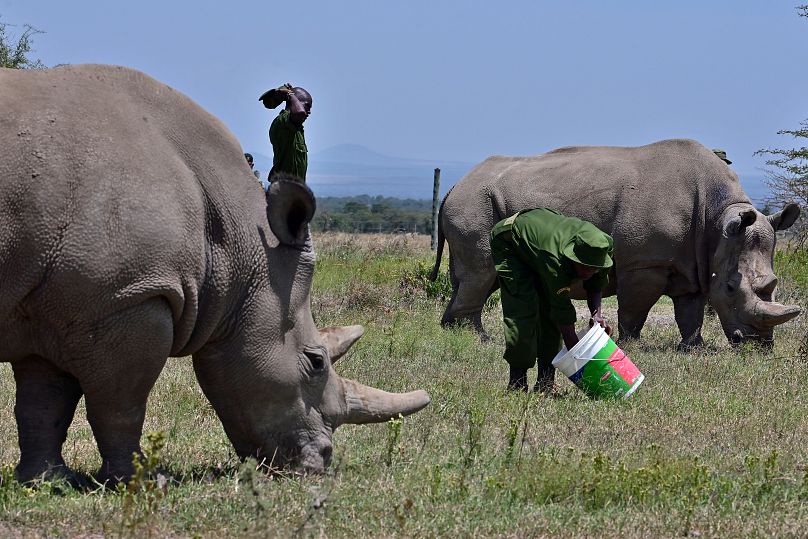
(441, 240)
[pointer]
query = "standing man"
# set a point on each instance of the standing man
(290, 155)
(538, 255)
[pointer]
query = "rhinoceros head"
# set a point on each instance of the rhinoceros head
(273, 385)
(743, 283)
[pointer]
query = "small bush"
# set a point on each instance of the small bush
(141, 496)
(417, 278)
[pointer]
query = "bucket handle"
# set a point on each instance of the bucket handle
(600, 359)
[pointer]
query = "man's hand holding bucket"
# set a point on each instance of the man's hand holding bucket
(597, 318)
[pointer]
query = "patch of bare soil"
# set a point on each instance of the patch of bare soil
(660, 314)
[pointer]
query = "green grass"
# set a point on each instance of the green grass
(714, 444)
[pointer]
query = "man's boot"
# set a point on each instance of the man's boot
(518, 380)
(545, 381)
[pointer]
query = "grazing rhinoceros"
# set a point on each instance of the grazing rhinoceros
(131, 230)
(681, 223)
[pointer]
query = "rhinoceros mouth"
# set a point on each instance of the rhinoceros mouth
(748, 334)
(276, 450)
(311, 458)
(314, 458)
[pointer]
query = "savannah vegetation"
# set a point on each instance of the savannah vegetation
(787, 176)
(714, 444)
(16, 45)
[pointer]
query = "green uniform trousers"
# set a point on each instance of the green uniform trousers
(530, 334)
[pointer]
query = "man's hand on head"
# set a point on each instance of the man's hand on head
(274, 97)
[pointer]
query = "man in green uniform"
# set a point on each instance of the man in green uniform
(251, 162)
(538, 254)
(722, 155)
(286, 132)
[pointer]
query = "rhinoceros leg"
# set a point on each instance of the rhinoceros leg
(130, 351)
(637, 292)
(46, 400)
(471, 286)
(689, 313)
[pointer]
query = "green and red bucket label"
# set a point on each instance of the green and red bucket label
(609, 373)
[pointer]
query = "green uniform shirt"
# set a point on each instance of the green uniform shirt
(289, 147)
(540, 236)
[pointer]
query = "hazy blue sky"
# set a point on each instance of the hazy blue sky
(461, 80)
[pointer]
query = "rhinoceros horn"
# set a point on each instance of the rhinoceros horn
(339, 339)
(365, 404)
(769, 313)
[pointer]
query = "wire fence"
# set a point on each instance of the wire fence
(372, 227)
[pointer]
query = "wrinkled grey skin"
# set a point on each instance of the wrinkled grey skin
(681, 223)
(132, 230)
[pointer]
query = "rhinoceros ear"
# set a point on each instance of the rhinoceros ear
(784, 218)
(339, 340)
(736, 224)
(290, 207)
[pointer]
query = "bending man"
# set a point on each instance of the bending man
(538, 255)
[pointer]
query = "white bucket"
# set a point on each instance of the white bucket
(598, 366)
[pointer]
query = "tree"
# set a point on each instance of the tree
(788, 173)
(15, 54)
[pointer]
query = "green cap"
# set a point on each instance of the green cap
(722, 155)
(590, 247)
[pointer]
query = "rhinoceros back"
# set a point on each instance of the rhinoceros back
(664, 194)
(113, 187)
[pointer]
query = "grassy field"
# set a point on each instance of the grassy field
(714, 444)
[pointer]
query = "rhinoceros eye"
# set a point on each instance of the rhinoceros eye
(732, 286)
(316, 357)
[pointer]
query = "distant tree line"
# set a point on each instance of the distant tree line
(367, 214)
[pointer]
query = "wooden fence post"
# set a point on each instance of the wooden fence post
(435, 190)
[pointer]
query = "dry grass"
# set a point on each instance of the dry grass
(328, 243)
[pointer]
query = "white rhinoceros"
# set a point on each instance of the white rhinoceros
(131, 230)
(682, 227)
